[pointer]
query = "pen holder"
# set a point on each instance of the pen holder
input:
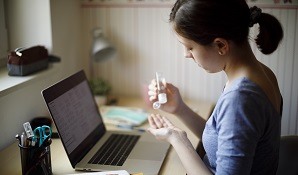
(36, 160)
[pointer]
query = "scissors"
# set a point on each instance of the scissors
(42, 133)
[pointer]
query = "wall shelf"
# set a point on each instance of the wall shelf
(9, 84)
(169, 3)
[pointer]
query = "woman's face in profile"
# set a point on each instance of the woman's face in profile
(206, 57)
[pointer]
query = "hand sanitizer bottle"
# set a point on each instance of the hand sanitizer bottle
(161, 90)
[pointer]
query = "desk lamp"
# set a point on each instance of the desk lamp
(101, 49)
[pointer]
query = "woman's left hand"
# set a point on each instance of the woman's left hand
(163, 129)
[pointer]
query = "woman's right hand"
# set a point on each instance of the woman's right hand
(174, 100)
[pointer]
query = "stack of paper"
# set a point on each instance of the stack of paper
(119, 172)
(123, 115)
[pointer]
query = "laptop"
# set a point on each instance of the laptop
(87, 142)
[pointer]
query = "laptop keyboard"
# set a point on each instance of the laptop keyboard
(115, 150)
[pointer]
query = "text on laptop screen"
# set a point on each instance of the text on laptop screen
(75, 114)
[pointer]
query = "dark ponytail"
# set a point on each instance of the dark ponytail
(204, 20)
(270, 33)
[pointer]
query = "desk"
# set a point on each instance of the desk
(10, 156)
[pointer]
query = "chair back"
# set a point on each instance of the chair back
(288, 155)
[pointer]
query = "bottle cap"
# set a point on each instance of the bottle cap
(156, 105)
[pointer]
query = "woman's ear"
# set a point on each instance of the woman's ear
(222, 46)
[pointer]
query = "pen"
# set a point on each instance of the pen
(23, 140)
(19, 139)
(130, 127)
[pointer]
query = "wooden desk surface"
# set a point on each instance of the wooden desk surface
(11, 163)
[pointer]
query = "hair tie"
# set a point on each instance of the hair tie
(255, 14)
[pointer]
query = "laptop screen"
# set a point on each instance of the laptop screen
(75, 115)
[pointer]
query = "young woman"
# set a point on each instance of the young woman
(242, 134)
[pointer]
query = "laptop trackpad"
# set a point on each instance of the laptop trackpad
(149, 151)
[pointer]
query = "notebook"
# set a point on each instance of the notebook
(89, 146)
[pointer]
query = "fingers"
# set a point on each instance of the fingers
(157, 121)
(151, 93)
(152, 85)
(151, 121)
(152, 90)
(167, 122)
(152, 97)
(154, 121)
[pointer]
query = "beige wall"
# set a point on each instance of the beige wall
(146, 44)
(66, 20)
(29, 23)
(55, 24)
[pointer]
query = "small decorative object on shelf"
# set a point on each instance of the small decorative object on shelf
(101, 89)
(28, 60)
